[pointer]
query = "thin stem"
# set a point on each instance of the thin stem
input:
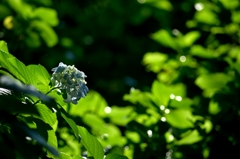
(46, 94)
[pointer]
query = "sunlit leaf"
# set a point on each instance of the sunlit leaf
(91, 143)
(94, 122)
(230, 4)
(133, 136)
(198, 50)
(70, 122)
(154, 61)
(190, 138)
(109, 132)
(235, 16)
(163, 92)
(46, 14)
(93, 102)
(164, 38)
(64, 156)
(71, 146)
(169, 137)
(20, 70)
(42, 77)
(183, 104)
(115, 156)
(207, 17)
(14, 66)
(120, 115)
(213, 81)
(222, 49)
(207, 125)
(47, 115)
(180, 118)
(22, 8)
(3, 46)
(191, 37)
(136, 96)
(77, 157)
(165, 4)
(213, 107)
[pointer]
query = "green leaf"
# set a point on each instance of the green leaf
(154, 61)
(3, 46)
(164, 38)
(15, 67)
(46, 131)
(207, 126)
(115, 156)
(46, 32)
(235, 16)
(111, 133)
(233, 4)
(46, 14)
(9, 83)
(207, 17)
(54, 93)
(191, 37)
(52, 140)
(136, 96)
(47, 115)
(63, 156)
(214, 108)
(161, 91)
(70, 122)
(198, 50)
(180, 118)
(40, 139)
(213, 81)
(91, 143)
(21, 71)
(95, 122)
(24, 9)
(183, 104)
(133, 136)
(120, 115)
(191, 138)
(77, 157)
(42, 77)
(165, 5)
(93, 102)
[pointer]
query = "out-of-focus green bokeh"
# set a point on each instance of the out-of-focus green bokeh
(167, 72)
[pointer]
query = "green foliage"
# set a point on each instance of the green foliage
(30, 119)
(190, 50)
(91, 143)
(30, 22)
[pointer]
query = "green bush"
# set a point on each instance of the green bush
(190, 111)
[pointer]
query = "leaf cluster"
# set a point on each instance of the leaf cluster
(30, 115)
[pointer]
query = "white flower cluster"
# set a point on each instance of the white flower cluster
(71, 80)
